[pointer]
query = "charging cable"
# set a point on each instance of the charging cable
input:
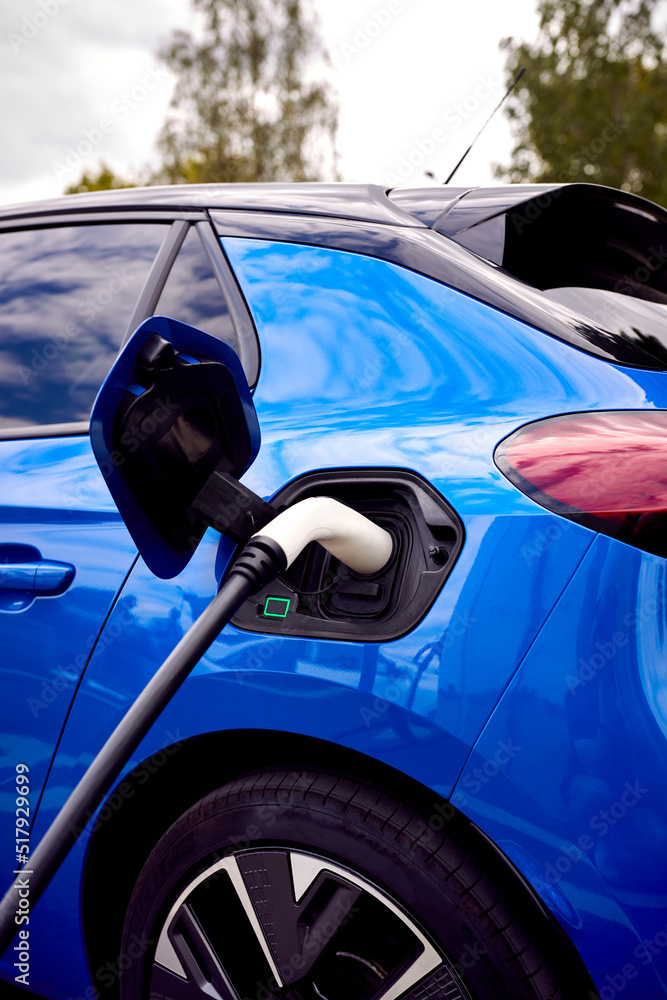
(364, 546)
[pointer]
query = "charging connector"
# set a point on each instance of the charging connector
(348, 535)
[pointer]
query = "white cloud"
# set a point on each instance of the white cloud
(66, 67)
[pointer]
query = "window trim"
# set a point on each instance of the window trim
(44, 431)
(99, 217)
(157, 276)
(247, 336)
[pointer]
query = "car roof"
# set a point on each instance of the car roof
(359, 202)
(447, 210)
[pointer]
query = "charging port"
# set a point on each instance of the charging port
(326, 599)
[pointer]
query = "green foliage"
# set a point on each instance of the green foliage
(103, 180)
(592, 105)
(247, 106)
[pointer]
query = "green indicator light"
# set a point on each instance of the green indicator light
(277, 607)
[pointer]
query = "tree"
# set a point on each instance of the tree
(247, 105)
(103, 180)
(592, 104)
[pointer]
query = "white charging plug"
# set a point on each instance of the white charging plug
(348, 535)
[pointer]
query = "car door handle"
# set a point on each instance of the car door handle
(43, 578)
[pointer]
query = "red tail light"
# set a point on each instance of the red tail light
(607, 470)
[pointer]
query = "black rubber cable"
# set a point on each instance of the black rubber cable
(261, 561)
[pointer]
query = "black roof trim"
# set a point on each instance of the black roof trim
(51, 220)
(427, 204)
(439, 258)
(363, 202)
(451, 211)
(481, 204)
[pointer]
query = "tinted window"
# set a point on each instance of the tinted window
(192, 293)
(641, 322)
(66, 298)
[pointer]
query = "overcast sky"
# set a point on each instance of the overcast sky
(416, 79)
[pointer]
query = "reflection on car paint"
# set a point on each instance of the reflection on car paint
(533, 690)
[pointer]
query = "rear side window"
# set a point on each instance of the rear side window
(66, 297)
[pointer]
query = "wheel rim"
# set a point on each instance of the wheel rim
(280, 924)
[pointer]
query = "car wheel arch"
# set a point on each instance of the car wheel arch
(130, 824)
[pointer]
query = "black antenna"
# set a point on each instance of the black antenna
(499, 105)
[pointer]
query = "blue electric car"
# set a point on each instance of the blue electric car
(445, 778)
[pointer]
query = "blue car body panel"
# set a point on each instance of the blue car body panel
(55, 507)
(584, 796)
(368, 364)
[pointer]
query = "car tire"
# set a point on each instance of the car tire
(311, 885)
